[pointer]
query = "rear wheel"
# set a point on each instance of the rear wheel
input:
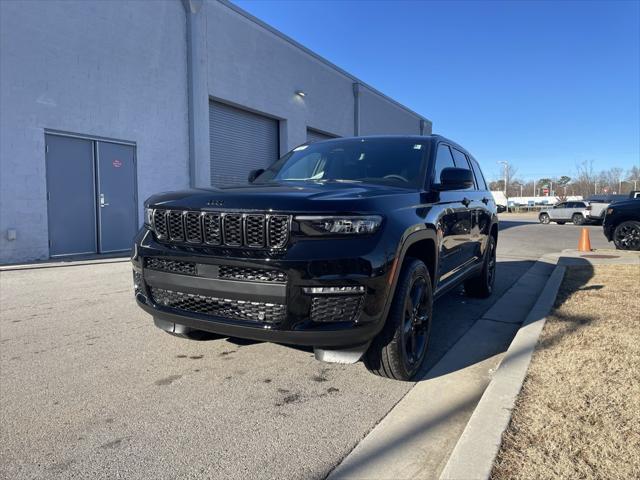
(626, 236)
(544, 218)
(399, 349)
(482, 285)
(577, 219)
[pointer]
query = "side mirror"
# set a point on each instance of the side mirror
(253, 174)
(455, 179)
(501, 208)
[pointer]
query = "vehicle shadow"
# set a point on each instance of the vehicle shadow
(460, 407)
(451, 323)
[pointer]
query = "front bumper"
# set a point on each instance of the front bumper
(278, 307)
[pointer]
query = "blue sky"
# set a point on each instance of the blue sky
(541, 84)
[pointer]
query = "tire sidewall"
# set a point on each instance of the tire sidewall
(544, 218)
(617, 243)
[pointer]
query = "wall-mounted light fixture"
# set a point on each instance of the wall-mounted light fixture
(300, 93)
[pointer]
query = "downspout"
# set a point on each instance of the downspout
(356, 109)
(191, 8)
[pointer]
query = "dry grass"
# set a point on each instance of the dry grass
(578, 415)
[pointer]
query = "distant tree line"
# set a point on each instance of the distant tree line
(586, 182)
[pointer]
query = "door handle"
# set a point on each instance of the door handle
(485, 200)
(103, 203)
(466, 201)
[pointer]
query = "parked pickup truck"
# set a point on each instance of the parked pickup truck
(341, 245)
(599, 203)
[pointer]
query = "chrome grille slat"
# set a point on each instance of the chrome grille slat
(232, 229)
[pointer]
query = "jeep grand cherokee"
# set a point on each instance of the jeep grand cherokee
(341, 245)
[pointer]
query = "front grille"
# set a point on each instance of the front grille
(176, 226)
(174, 266)
(192, 227)
(160, 224)
(232, 229)
(336, 308)
(229, 272)
(221, 307)
(251, 230)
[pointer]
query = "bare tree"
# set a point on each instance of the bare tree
(633, 176)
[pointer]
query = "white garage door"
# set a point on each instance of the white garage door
(240, 141)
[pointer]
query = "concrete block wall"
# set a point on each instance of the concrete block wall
(119, 70)
(109, 69)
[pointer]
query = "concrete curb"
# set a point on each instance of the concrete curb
(477, 447)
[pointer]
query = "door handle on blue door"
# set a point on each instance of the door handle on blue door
(466, 201)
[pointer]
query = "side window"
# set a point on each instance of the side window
(460, 159)
(443, 160)
(482, 184)
(561, 205)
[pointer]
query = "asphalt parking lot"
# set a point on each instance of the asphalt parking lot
(90, 389)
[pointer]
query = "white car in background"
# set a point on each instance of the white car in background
(576, 212)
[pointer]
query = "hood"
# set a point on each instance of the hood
(289, 196)
(633, 204)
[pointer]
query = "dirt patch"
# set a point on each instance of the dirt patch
(578, 414)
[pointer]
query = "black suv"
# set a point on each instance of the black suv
(341, 245)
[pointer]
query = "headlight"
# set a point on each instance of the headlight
(338, 225)
(148, 216)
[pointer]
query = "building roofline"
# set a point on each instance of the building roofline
(310, 52)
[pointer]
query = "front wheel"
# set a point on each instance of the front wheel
(482, 285)
(626, 236)
(400, 348)
(544, 218)
(577, 219)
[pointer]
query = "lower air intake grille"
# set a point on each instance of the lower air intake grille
(229, 272)
(337, 308)
(174, 266)
(221, 307)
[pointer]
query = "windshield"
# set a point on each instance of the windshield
(393, 161)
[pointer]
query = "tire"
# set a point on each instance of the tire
(398, 351)
(481, 286)
(626, 236)
(544, 218)
(561, 223)
(577, 219)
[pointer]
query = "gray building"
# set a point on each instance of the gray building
(104, 103)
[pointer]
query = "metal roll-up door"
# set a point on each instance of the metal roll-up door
(315, 135)
(240, 141)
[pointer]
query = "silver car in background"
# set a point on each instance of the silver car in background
(577, 212)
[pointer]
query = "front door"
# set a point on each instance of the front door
(116, 196)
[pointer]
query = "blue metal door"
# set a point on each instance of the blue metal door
(117, 204)
(71, 196)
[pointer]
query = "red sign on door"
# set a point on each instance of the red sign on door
(117, 163)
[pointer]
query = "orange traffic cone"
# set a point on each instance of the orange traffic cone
(584, 245)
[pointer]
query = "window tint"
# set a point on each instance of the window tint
(561, 205)
(480, 181)
(460, 159)
(443, 160)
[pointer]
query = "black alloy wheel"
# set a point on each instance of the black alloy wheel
(626, 236)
